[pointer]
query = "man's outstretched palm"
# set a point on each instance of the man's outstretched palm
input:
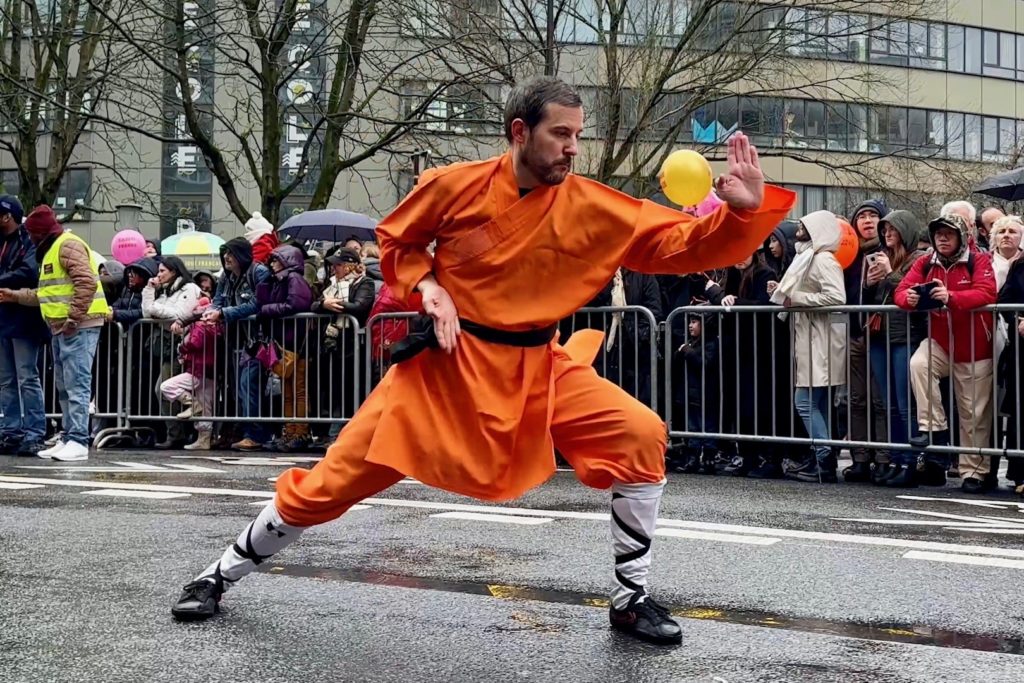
(742, 186)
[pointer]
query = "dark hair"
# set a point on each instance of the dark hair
(177, 266)
(527, 101)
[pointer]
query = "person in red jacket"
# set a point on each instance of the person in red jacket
(261, 235)
(953, 281)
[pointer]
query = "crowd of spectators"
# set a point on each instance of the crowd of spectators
(895, 385)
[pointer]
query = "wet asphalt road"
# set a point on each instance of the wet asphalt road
(774, 581)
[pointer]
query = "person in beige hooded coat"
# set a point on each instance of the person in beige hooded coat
(819, 339)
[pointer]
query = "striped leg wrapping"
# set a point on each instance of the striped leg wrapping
(265, 536)
(634, 514)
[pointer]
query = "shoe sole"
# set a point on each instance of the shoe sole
(654, 640)
(194, 615)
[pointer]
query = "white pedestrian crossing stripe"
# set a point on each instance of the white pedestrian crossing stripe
(122, 493)
(501, 519)
(911, 549)
(119, 467)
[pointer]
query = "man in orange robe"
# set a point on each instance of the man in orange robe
(521, 243)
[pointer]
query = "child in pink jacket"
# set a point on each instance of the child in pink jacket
(195, 387)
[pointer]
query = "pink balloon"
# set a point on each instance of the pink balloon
(128, 246)
(710, 204)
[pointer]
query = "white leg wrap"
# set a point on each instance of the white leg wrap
(634, 513)
(265, 536)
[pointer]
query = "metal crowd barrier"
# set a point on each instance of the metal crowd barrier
(734, 383)
(317, 380)
(738, 383)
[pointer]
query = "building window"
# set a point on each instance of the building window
(972, 49)
(955, 48)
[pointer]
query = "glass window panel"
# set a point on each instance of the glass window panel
(991, 48)
(972, 137)
(794, 118)
(899, 38)
(835, 200)
(836, 115)
(878, 128)
(817, 29)
(1020, 54)
(955, 135)
(879, 36)
(728, 119)
(795, 23)
(814, 199)
(955, 48)
(937, 132)
(972, 50)
(917, 131)
(918, 42)
(814, 124)
(897, 137)
(859, 30)
(990, 138)
(1007, 138)
(937, 41)
(1007, 51)
(838, 32)
(798, 206)
(857, 128)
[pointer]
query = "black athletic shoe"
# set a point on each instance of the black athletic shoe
(9, 446)
(645, 619)
(199, 600)
(30, 449)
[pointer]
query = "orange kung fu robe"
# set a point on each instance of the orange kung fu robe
(478, 422)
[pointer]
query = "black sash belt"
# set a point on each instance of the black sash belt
(421, 337)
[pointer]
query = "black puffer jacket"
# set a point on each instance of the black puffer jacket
(128, 307)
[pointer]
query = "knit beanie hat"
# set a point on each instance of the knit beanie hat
(42, 223)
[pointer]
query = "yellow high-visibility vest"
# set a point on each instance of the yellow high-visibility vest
(56, 289)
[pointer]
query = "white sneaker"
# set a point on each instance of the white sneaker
(48, 453)
(72, 452)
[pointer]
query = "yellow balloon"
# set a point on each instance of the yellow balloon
(685, 177)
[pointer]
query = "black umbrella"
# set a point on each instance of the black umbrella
(1008, 186)
(328, 225)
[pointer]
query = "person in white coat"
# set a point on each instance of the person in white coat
(169, 297)
(815, 279)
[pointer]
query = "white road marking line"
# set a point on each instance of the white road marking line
(195, 468)
(878, 541)
(19, 487)
(125, 467)
(82, 483)
(710, 536)
(996, 504)
(121, 493)
(501, 519)
(965, 559)
(963, 518)
(354, 508)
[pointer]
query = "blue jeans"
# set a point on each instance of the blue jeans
(251, 383)
(812, 403)
(695, 422)
(21, 393)
(891, 373)
(72, 374)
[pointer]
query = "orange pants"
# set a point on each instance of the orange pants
(604, 433)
